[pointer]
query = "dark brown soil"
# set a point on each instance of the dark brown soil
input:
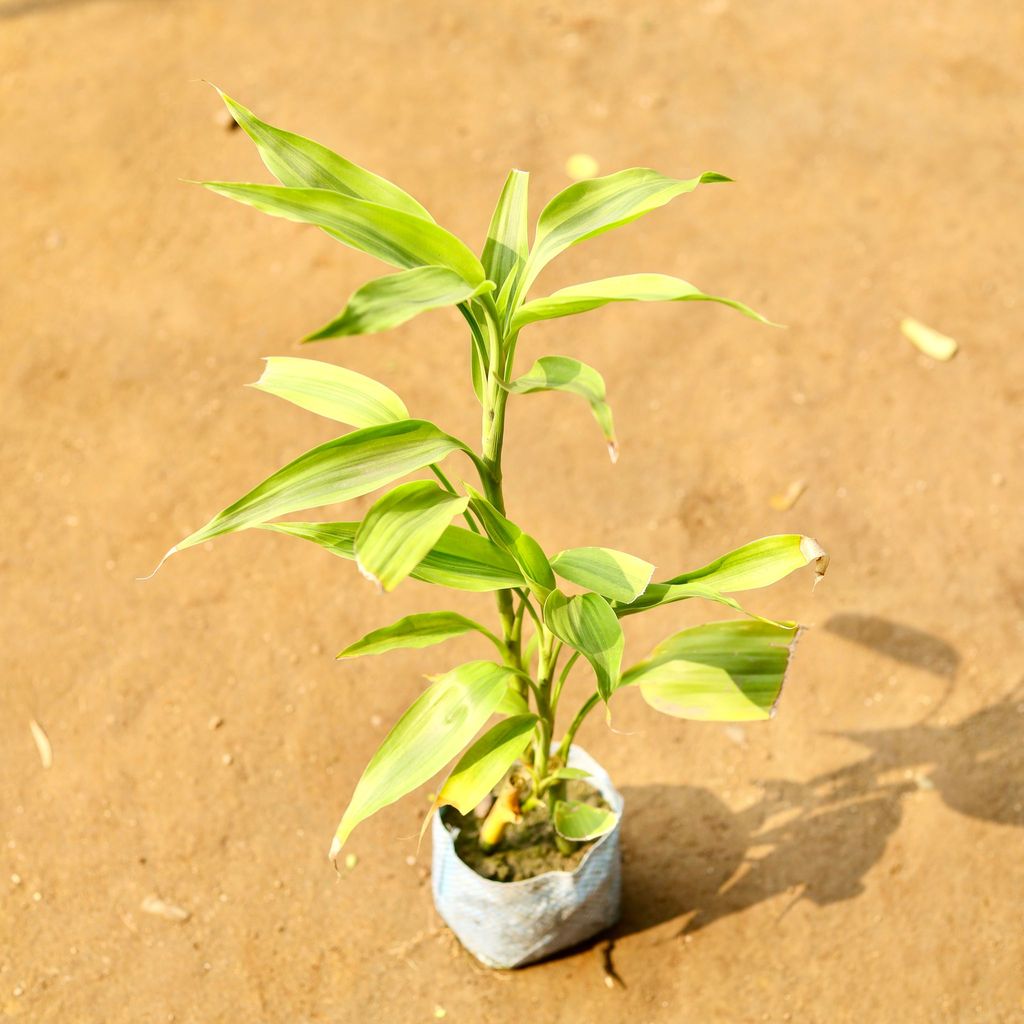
(528, 847)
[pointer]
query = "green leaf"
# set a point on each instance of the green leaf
(331, 391)
(301, 163)
(438, 724)
(587, 624)
(525, 551)
(612, 574)
(394, 236)
(570, 773)
(422, 630)
(720, 672)
(461, 559)
(591, 207)
(484, 765)
(560, 373)
(344, 468)
(392, 300)
(581, 822)
(513, 703)
(507, 245)
(627, 288)
(757, 564)
(401, 527)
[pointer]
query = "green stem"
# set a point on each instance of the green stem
(563, 747)
(447, 485)
(562, 678)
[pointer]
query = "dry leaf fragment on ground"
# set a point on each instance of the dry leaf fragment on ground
(161, 908)
(928, 340)
(42, 743)
(789, 497)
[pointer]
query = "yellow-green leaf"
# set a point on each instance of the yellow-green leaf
(394, 236)
(301, 163)
(392, 300)
(560, 373)
(507, 245)
(344, 468)
(754, 565)
(582, 822)
(483, 766)
(579, 298)
(414, 631)
(596, 205)
(331, 391)
(587, 624)
(401, 527)
(612, 574)
(720, 672)
(525, 551)
(460, 559)
(438, 724)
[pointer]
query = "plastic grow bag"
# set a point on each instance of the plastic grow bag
(510, 924)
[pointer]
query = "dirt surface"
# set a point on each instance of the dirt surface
(528, 846)
(857, 859)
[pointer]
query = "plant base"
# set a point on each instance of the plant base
(510, 924)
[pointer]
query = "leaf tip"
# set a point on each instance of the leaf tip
(814, 552)
(368, 575)
(613, 451)
(142, 579)
(332, 856)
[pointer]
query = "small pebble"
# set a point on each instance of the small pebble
(226, 758)
(581, 165)
(215, 722)
(439, 1012)
(15, 879)
(410, 860)
(37, 896)
(351, 860)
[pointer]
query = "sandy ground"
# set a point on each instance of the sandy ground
(858, 859)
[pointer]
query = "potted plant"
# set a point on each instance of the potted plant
(525, 826)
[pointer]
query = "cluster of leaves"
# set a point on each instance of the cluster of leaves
(726, 671)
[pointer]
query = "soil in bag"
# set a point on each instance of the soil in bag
(527, 847)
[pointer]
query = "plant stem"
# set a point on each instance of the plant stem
(492, 437)
(562, 678)
(447, 485)
(563, 748)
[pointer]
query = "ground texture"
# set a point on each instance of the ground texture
(857, 859)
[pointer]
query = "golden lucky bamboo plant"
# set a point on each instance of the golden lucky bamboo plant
(725, 671)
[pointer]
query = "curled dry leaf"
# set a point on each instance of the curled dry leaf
(928, 340)
(161, 908)
(789, 497)
(42, 743)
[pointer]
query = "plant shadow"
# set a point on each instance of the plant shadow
(689, 856)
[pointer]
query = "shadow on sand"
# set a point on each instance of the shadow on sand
(691, 855)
